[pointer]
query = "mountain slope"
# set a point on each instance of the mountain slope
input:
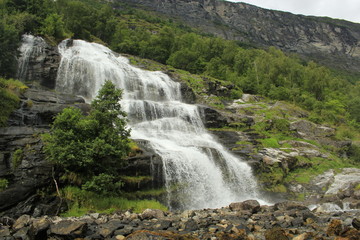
(332, 42)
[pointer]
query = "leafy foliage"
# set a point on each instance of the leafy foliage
(17, 158)
(332, 96)
(9, 100)
(3, 184)
(94, 145)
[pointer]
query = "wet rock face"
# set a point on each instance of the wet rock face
(326, 40)
(39, 61)
(288, 220)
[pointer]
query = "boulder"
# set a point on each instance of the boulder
(310, 130)
(290, 205)
(344, 180)
(334, 228)
(152, 213)
(68, 228)
(252, 206)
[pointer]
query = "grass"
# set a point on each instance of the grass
(318, 166)
(82, 202)
(270, 143)
(136, 179)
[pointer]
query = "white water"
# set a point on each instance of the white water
(31, 47)
(203, 173)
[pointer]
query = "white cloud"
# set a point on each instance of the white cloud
(342, 9)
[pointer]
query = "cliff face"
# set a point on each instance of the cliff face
(332, 42)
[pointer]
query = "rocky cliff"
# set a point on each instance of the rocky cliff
(332, 42)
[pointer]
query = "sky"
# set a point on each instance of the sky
(341, 9)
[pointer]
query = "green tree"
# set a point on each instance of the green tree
(94, 144)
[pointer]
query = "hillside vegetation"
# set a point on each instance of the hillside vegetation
(268, 72)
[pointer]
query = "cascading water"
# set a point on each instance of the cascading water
(32, 47)
(198, 171)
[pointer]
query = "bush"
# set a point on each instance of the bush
(17, 158)
(103, 184)
(9, 100)
(94, 144)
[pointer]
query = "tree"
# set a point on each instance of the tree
(91, 145)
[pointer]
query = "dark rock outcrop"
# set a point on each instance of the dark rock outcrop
(39, 61)
(333, 42)
(29, 171)
(212, 118)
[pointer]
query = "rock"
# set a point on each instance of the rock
(309, 130)
(212, 118)
(22, 222)
(4, 232)
(334, 228)
(189, 225)
(109, 228)
(41, 224)
(67, 227)
(249, 205)
(40, 64)
(276, 234)
(145, 235)
(324, 180)
(152, 213)
(356, 223)
(22, 234)
(289, 205)
(344, 180)
(333, 42)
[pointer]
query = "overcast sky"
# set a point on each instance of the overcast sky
(342, 9)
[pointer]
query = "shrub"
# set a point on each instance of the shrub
(90, 145)
(3, 184)
(103, 184)
(17, 158)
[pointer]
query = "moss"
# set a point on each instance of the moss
(270, 176)
(357, 187)
(3, 184)
(17, 158)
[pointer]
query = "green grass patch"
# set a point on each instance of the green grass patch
(136, 179)
(270, 143)
(82, 202)
(318, 166)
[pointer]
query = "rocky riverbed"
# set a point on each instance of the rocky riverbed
(243, 220)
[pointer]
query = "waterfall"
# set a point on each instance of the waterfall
(198, 171)
(31, 48)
